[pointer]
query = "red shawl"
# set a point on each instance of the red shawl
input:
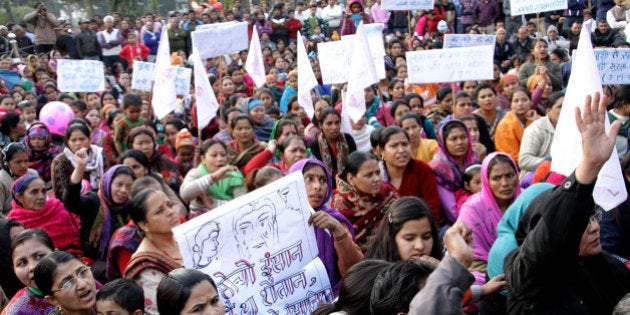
(145, 260)
(62, 226)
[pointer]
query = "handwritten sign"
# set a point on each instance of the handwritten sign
(536, 6)
(613, 65)
(334, 61)
(407, 4)
(80, 75)
(143, 77)
(468, 40)
(450, 65)
(260, 250)
(220, 39)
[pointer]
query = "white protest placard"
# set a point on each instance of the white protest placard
(407, 4)
(260, 250)
(164, 97)
(362, 75)
(521, 7)
(613, 65)
(334, 60)
(143, 72)
(221, 38)
(450, 65)
(468, 40)
(374, 35)
(80, 75)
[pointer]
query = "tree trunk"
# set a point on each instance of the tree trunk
(7, 7)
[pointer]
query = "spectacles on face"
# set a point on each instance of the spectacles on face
(83, 273)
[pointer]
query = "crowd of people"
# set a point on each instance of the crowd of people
(440, 200)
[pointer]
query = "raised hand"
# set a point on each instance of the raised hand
(324, 221)
(457, 240)
(81, 157)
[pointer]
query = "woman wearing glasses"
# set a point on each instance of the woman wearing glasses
(67, 283)
(14, 165)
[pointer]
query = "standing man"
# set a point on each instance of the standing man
(151, 39)
(45, 24)
(333, 14)
(110, 40)
(86, 42)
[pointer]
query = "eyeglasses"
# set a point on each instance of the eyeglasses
(83, 273)
(596, 217)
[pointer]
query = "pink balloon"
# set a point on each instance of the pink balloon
(56, 116)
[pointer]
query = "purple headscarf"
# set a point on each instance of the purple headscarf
(325, 242)
(107, 206)
(447, 173)
(20, 183)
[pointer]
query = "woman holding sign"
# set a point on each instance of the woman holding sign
(334, 233)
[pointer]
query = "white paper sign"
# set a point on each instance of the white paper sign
(143, 77)
(334, 60)
(220, 39)
(468, 40)
(407, 4)
(260, 250)
(80, 75)
(520, 7)
(450, 65)
(613, 65)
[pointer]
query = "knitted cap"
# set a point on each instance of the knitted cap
(184, 138)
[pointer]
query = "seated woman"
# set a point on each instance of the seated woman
(281, 130)
(40, 150)
(57, 277)
(333, 146)
(510, 130)
(27, 249)
(454, 155)
(488, 110)
(291, 150)
(15, 165)
(34, 210)
(263, 124)
(187, 291)
(143, 139)
(245, 144)
(361, 195)
(337, 249)
(482, 211)
(213, 182)
(540, 64)
(158, 253)
(421, 149)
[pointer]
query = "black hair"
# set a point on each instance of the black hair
(8, 122)
(376, 135)
(9, 151)
(354, 162)
(177, 123)
(411, 96)
(410, 115)
(443, 92)
(131, 99)
(124, 292)
(520, 89)
(392, 83)
(37, 234)
(287, 142)
(396, 285)
(560, 52)
(64, 96)
(292, 100)
(46, 269)
(383, 245)
(273, 111)
(136, 155)
(111, 115)
(4, 97)
(175, 288)
(79, 104)
(356, 289)
(77, 124)
(283, 123)
(461, 94)
(462, 83)
(259, 177)
(553, 98)
(141, 131)
(388, 132)
(137, 207)
(470, 172)
(142, 183)
(622, 96)
(397, 104)
(226, 113)
(327, 112)
(484, 87)
(242, 117)
(210, 142)
(501, 158)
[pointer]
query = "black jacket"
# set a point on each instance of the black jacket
(543, 274)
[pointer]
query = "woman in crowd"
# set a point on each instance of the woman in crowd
(421, 149)
(332, 146)
(537, 138)
(213, 182)
(312, 131)
(27, 249)
(454, 155)
(334, 233)
(361, 195)
(188, 291)
(245, 144)
(396, 90)
(540, 88)
(34, 210)
(67, 283)
(482, 211)
(10, 284)
(158, 253)
(14, 165)
(109, 147)
(171, 128)
(263, 124)
(282, 129)
(486, 99)
(510, 130)
(291, 150)
(77, 137)
(40, 149)
(541, 65)
(416, 103)
(506, 86)
(12, 128)
(143, 140)
(410, 177)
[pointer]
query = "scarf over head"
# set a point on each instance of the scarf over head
(325, 242)
(447, 173)
(95, 163)
(40, 160)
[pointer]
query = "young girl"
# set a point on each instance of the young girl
(472, 184)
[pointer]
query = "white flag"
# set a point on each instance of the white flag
(164, 98)
(207, 104)
(362, 75)
(346, 125)
(566, 149)
(306, 78)
(254, 65)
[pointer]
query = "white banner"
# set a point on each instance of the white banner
(260, 250)
(206, 101)
(164, 97)
(143, 73)
(80, 75)
(520, 7)
(407, 4)
(468, 40)
(450, 65)
(255, 65)
(220, 39)
(613, 65)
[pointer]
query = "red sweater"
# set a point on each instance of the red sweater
(137, 52)
(419, 181)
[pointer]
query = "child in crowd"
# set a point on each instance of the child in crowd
(185, 147)
(79, 108)
(28, 112)
(7, 104)
(472, 184)
(121, 296)
(318, 36)
(132, 106)
(133, 50)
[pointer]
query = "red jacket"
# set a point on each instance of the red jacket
(130, 53)
(293, 26)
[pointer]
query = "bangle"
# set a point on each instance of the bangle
(340, 238)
